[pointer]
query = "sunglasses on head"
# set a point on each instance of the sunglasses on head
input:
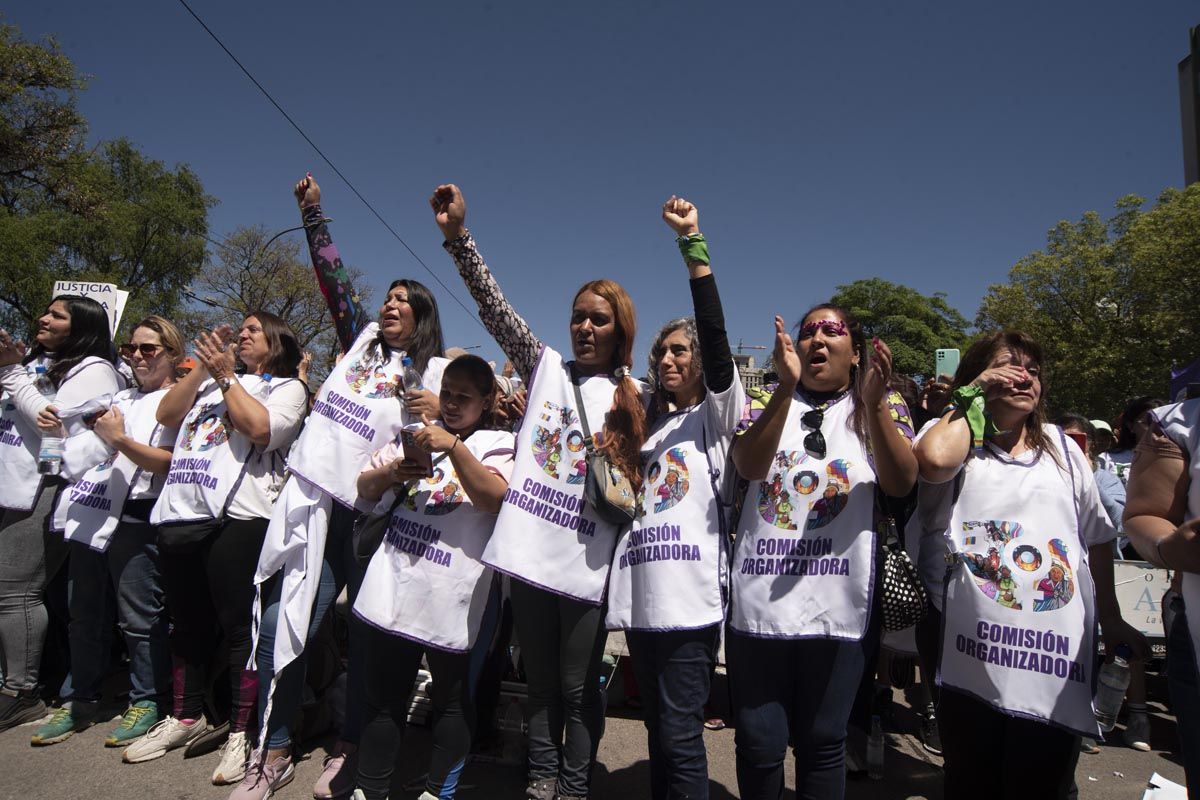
(147, 350)
(814, 442)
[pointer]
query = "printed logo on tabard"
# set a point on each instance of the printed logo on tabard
(442, 498)
(206, 430)
(1016, 569)
(549, 449)
(795, 490)
(667, 480)
(371, 381)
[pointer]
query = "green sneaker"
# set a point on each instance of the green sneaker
(62, 726)
(138, 719)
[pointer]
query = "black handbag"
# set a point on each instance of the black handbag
(606, 488)
(903, 599)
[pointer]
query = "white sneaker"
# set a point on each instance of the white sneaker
(1137, 732)
(163, 736)
(234, 754)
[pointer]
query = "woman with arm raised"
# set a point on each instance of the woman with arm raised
(556, 549)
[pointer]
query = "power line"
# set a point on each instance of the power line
(333, 167)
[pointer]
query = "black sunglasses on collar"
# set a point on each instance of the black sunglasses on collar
(814, 442)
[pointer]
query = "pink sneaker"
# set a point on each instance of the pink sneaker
(263, 779)
(337, 777)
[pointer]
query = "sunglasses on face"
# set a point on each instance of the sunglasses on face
(147, 350)
(814, 442)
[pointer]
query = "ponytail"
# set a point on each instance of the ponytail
(625, 423)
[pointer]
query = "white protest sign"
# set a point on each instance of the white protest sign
(106, 294)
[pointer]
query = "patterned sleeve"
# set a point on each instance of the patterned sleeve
(349, 317)
(900, 415)
(756, 402)
(505, 325)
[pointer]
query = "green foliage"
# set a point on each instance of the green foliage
(1113, 304)
(70, 213)
(912, 324)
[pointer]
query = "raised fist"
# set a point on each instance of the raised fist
(307, 192)
(449, 210)
(681, 215)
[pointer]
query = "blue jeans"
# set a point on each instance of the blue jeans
(337, 568)
(1183, 681)
(798, 691)
(674, 674)
(125, 579)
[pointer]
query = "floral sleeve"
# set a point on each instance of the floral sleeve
(505, 325)
(349, 317)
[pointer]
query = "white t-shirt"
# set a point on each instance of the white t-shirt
(265, 467)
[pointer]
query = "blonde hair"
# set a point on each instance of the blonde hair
(168, 334)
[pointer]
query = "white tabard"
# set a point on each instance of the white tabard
(1181, 424)
(355, 413)
(20, 441)
(545, 534)
(90, 508)
(426, 581)
(1019, 609)
(209, 457)
(671, 569)
(804, 561)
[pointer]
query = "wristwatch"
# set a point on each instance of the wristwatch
(225, 383)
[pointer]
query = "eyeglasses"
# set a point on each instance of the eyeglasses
(147, 350)
(814, 442)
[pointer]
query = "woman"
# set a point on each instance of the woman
(355, 413)
(1162, 518)
(74, 346)
(1016, 513)
(1132, 424)
(116, 472)
(557, 549)
(802, 627)
(669, 579)
(226, 471)
(426, 590)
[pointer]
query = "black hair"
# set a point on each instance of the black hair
(89, 336)
(1134, 409)
(479, 373)
(426, 340)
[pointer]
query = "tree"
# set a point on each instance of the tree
(912, 324)
(1113, 303)
(251, 271)
(69, 213)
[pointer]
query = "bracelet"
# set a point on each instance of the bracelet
(457, 439)
(969, 400)
(693, 248)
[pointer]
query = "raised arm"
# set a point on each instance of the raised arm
(1156, 504)
(505, 325)
(895, 463)
(349, 316)
(15, 380)
(715, 356)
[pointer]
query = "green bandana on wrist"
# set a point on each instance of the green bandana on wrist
(969, 400)
(693, 248)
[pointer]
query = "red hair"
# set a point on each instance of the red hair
(625, 424)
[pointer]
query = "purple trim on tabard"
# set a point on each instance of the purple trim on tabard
(1017, 714)
(712, 624)
(536, 585)
(799, 637)
(501, 452)
(407, 637)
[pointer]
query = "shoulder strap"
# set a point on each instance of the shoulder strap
(588, 442)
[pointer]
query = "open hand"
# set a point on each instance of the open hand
(214, 352)
(681, 215)
(878, 374)
(449, 210)
(11, 352)
(307, 192)
(787, 361)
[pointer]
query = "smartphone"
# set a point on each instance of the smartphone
(413, 453)
(945, 364)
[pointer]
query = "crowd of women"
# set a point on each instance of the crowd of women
(224, 511)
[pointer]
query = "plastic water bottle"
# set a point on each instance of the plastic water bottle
(875, 749)
(51, 449)
(1110, 691)
(409, 377)
(514, 733)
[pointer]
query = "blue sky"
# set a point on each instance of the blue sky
(928, 144)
